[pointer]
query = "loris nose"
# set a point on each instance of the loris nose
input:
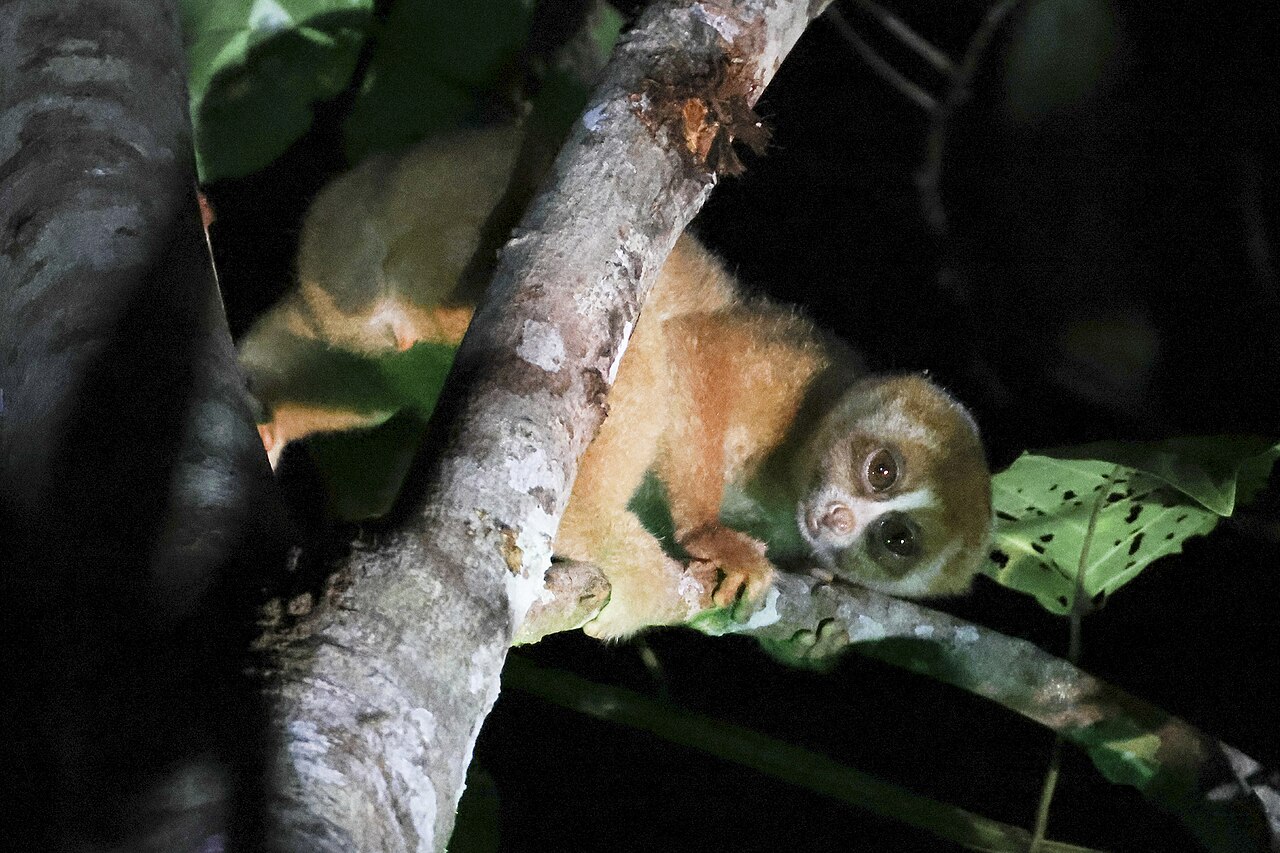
(836, 517)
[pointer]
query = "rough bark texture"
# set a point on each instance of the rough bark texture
(381, 696)
(1227, 799)
(127, 455)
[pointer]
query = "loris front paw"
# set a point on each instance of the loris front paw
(738, 559)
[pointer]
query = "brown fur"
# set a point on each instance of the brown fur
(713, 391)
(709, 391)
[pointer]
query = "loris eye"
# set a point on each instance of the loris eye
(897, 534)
(882, 470)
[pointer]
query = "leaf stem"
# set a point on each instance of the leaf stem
(1075, 649)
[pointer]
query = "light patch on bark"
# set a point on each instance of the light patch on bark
(622, 350)
(528, 587)
(866, 629)
(421, 799)
(592, 118)
(308, 749)
(541, 345)
(529, 470)
(766, 615)
(712, 14)
(88, 69)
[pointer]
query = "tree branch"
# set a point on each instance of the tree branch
(132, 482)
(380, 696)
(1228, 800)
(881, 66)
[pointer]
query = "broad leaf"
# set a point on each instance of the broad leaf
(257, 67)
(435, 66)
(364, 470)
(1149, 500)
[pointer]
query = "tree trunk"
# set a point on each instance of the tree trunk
(128, 460)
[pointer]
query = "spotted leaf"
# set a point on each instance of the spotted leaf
(1149, 499)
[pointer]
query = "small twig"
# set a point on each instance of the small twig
(1075, 649)
(1080, 604)
(931, 174)
(909, 37)
(1038, 843)
(879, 65)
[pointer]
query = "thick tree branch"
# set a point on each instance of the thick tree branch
(1227, 799)
(130, 472)
(382, 695)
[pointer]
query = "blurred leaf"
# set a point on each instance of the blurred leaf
(255, 69)
(304, 370)
(417, 375)
(364, 470)
(1059, 53)
(1162, 494)
(1122, 751)
(432, 68)
(759, 752)
(605, 29)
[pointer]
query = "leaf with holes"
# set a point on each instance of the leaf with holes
(1149, 500)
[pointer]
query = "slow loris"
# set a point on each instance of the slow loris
(748, 415)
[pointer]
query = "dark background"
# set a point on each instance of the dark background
(1107, 270)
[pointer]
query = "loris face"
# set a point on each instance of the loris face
(898, 495)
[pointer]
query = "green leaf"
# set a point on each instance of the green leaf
(1217, 471)
(435, 65)
(1161, 495)
(304, 370)
(416, 376)
(257, 67)
(606, 28)
(1058, 56)
(364, 470)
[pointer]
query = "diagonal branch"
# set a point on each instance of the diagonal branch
(880, 65)
(381, 695)
(918, 43)
(1228, 800)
